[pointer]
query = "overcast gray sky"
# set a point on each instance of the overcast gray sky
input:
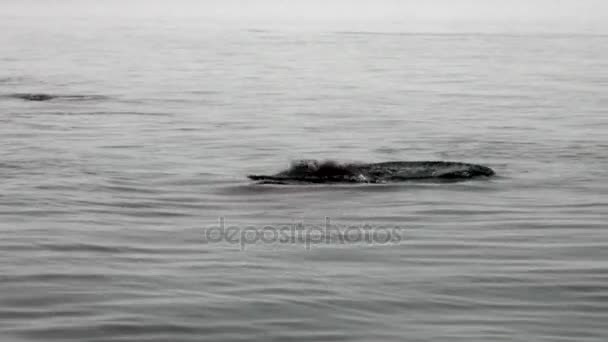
(574, 16)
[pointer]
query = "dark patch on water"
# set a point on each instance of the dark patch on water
(39, 97)
(11, 79)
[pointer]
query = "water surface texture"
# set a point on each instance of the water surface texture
(106, 189)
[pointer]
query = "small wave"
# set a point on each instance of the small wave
(103, 113)
(377, 33)
(10, 166)
(52, 276)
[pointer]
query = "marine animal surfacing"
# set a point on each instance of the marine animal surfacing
(313, 171)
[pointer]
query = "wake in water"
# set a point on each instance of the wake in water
(313, 171)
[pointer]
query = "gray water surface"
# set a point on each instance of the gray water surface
(104, 198)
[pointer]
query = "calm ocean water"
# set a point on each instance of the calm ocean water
(105, 196)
